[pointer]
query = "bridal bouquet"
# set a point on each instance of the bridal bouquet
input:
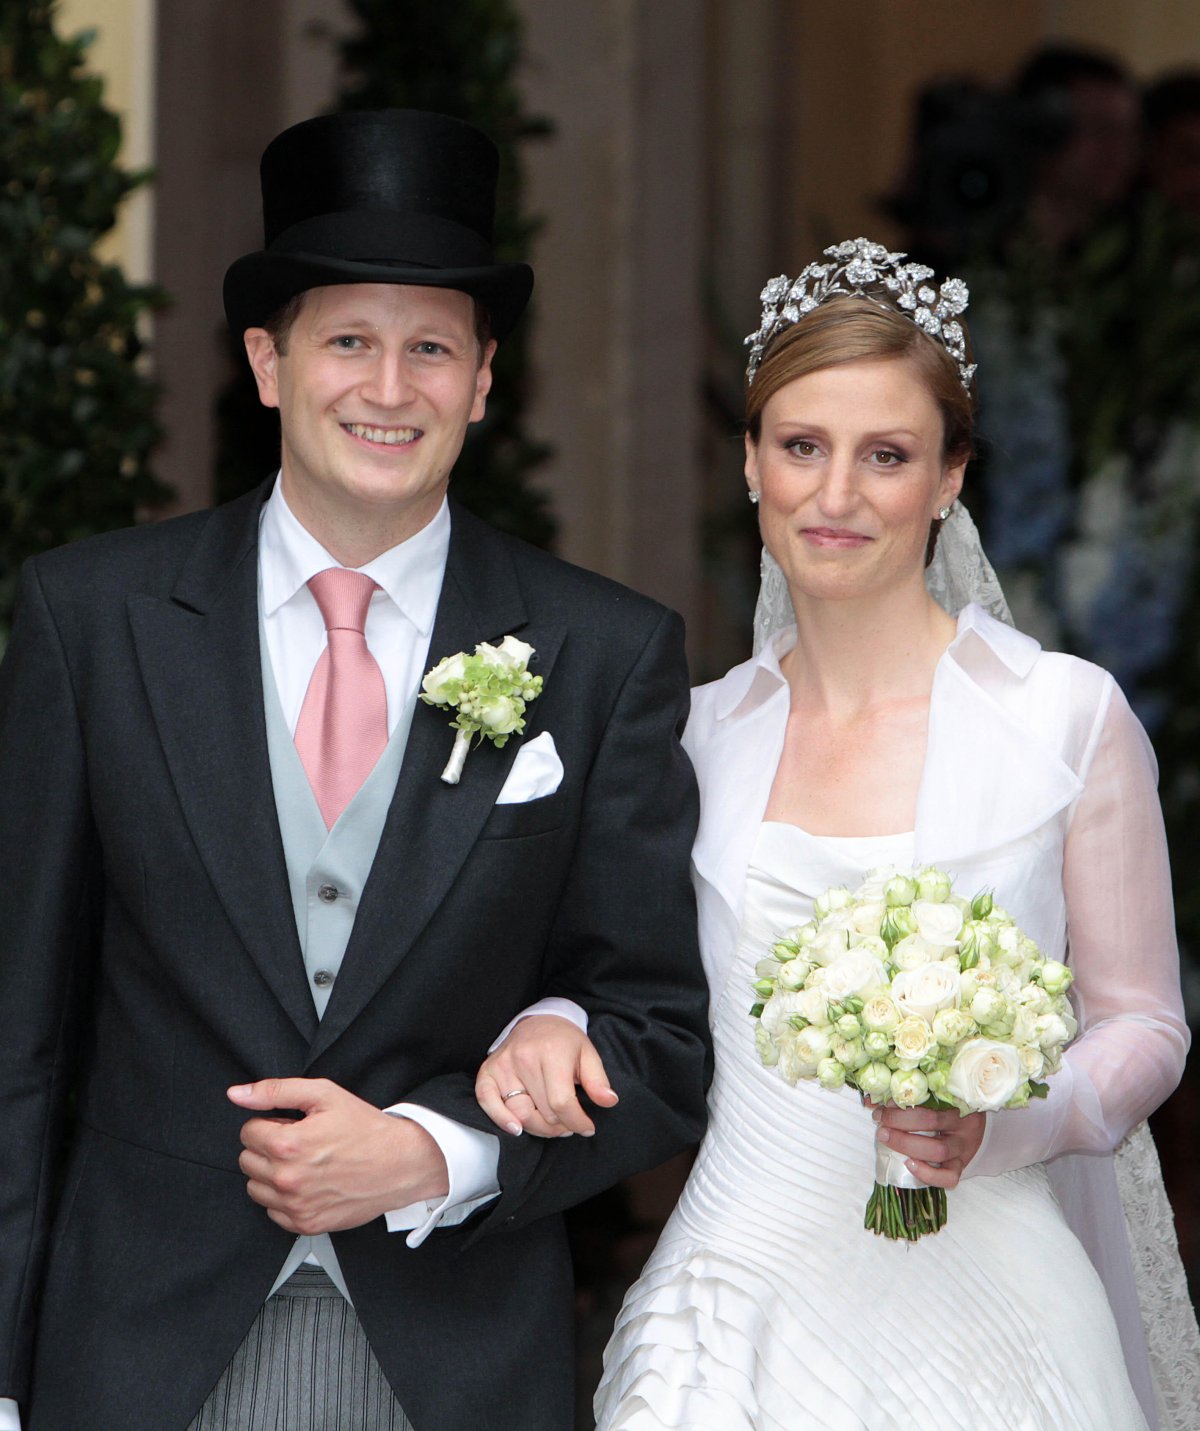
(917, 997)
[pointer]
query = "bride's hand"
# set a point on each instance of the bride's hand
(940, 1160)
(538, 1067)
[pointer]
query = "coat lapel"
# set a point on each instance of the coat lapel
(431, 826)
(199, 656)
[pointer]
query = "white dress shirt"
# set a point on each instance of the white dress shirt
(399, 622)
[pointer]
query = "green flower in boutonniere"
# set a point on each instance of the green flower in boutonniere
(489, 691)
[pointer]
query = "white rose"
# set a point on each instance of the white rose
(848, 1027)
(1051, 1031)
(880, 1014)
(827, 945)
(899, 891)
(988, 1006)
(790, 1064)
(937, 924)
(985, 1075)
(867, 918)
(909, 1088)
(777, 1010)
(912, 952)
(926, 990)
(1034, 998)
(814, 1006)
(875, 1080)
(1055, 977)
(1024, 1029)
(447, 673)
(812, 1045)
(792, 973)
(1033, 1060)
(872, 944)
(510, 655)
(849, 1052)
(913, 1041)
(765, 1045)
(499, 714)
(830, 1073)
(856, 971)
(877, 1044)
(951, 1026)
(933, 885)
(836, 898)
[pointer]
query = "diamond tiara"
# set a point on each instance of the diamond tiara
(858, 264)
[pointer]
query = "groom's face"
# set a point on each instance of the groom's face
(375, 385)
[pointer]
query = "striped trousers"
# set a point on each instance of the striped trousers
(305, 1365)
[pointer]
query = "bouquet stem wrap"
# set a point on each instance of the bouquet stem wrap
(902, 1206)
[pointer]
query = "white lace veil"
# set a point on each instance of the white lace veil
(959, 574)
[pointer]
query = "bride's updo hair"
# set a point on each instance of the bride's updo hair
(848, 329)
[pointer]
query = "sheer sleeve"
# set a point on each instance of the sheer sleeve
(1121, 946)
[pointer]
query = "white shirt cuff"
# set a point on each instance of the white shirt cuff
(472, 1163)
(10, 1417)
(562, 1008)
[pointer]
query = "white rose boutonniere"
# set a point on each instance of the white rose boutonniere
(488, 692)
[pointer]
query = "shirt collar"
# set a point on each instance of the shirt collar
(410, 573)
(748, 686)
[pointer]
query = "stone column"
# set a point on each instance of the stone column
(618, 338)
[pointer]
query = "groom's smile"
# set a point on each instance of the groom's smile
(376, 385)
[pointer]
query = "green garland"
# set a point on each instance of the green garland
(77, 421)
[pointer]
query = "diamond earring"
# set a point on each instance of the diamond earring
(753, 495)
(943, 514)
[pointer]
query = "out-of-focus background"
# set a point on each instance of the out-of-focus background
(661, 160)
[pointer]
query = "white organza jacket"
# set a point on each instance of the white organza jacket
(1039, 784)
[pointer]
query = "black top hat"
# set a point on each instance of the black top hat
(377, 196)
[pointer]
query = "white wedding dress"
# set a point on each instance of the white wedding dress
(767, 1305)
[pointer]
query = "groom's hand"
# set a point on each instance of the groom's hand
(341, 1164)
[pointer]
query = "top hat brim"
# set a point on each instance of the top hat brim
(259, 284)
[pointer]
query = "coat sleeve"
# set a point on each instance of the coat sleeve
(1121, 939)
(48, 919)
(624, 947)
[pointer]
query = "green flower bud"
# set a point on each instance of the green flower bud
(877, 1045)
(836, 898)
(875, 1080)
(982, 905)
(900, 891)
(933, 885)
(1054, 977)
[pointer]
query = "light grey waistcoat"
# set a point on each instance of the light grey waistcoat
(327, 870)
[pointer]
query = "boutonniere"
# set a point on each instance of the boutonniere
(488, 691)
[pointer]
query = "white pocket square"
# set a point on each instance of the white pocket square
(537, 771)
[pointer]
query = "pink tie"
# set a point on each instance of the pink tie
(342, 728)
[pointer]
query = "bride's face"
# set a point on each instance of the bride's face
(850, 472)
